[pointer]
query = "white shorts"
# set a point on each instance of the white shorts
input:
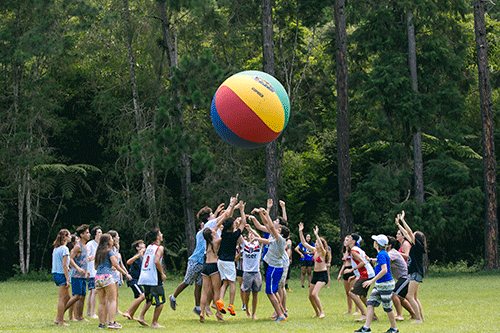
(227, 270)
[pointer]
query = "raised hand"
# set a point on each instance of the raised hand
(269, 203)
(301, 226)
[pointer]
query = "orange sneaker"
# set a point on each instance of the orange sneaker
(220, 305)
(230, 308)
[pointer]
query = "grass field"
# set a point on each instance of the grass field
(460, 303)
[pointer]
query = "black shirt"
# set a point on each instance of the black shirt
(227, 249)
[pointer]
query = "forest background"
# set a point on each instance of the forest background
(105, 120)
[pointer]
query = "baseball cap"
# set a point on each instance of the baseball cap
(381, 240)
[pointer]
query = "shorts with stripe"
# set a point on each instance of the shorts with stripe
(401, 288)
(137, 289)
(382, 293)
(273, 277)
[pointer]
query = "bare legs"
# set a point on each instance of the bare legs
(107, 303)
(211, 291)
(61, 304)
(415, 303)
(314, 290)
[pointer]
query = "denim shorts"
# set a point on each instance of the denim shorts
(59, 279)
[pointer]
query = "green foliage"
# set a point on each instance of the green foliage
(39, 275)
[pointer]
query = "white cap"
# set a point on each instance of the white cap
(381, 240)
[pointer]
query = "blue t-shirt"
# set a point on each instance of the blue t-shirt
(105, 267)
(199, 250)
(308, 255)
(57, 259)
(383, 258)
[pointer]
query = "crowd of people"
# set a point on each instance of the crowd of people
(246, 249)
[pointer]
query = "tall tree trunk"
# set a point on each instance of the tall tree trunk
(418, 165)
(343, 157)
(268, 67)
(170, 39)
(20, 217)
(140, 123)
(29, 218)
(488, 140)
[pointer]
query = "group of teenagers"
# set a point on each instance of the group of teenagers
(227, 250)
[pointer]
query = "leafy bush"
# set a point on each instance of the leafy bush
(34, 275)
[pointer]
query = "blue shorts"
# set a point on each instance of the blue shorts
(59, 279)
(79, 286)
(91, 283)
(273, 277)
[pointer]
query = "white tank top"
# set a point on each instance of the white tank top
(149, 273)
(365, 272)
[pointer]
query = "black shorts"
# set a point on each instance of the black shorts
(321, 276)
(209, 269)
(288, 272)
(137, 289)
(239, 273)
(346, 276)
(306, 263)
(358, 288)
(401, 288)
(154, 295)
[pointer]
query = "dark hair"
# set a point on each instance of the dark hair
(113, 233)
(325, 246)
(199, 226)
(61, 235)
(207, 235)
(93, 232)
(393, 242)
(204, 214)
(285, 232)
(81, 229)
(101, 254)
(152, 235)
(137, 243)
(228, 224)
(419, 235)
(282, 221)
(72, 242)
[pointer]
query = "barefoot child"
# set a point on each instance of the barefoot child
(135, 264)
(60, 272)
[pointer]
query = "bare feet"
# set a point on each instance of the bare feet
(399, 318)
(142, 322)
(315, 315)
(73, 319)
(356, 313)
(249, 314)
(202, 319)
(219, 317)
(156, 325)
(127, 315)
(361, 318)
(418, 321)
(61, 323)
(254, 317)
(208, 311)
(347, 312)
(94, 316)
(83, 319)
(321, 316)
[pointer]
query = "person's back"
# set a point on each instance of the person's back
(275, 252)
(149, 274)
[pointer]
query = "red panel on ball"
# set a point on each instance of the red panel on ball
(240, 119)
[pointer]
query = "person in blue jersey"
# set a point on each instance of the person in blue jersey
(135, 264)
(384, 285)
(105, 259)
(306, 260)
(152, 277)
(60, 273)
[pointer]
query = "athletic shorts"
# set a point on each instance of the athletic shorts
(59, 279)
(416, 277)
(91, 283)
(358, 288)
(209, 269)
(306, 263)
(382, 293)
(283, 277)
(193, 273)
(273, 277)
(103, 280)
(154, 295)
(252, 282)
(401, 288)
(346, 276)
(321, 276)
(137, 289)
(239, 272)
(288, 273)
(227, 270)
(79, 286)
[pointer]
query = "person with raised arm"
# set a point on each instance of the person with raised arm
(320, 274)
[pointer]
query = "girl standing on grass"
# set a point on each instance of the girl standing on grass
(415, 264)
(60, 272)
(348, 279)
(320, 274)
(105, 259)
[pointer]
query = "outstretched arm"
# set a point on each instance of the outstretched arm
(256, 222)
(405, 229)
(266, 219)
(303, 240)
(283, 210)
(320, 243)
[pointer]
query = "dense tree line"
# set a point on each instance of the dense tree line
(105, 119)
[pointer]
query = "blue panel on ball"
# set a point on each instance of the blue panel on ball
(227, 135)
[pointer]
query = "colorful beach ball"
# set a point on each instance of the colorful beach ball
(250, 109)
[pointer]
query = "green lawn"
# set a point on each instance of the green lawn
(462, 303)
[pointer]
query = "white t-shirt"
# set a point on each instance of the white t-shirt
(251, 256)
(274, 255)
(149, 273)
(91, 249)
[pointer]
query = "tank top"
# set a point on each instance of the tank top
(149, 274)
(80, 261)
(365, 272)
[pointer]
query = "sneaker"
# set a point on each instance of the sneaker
(114, 326)
(243, 308)
(363, 329)
(220, 306)
(279, 319)
(101, 326)
(392, 330)
(173, 302)
(197, 310)
(230, 308)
